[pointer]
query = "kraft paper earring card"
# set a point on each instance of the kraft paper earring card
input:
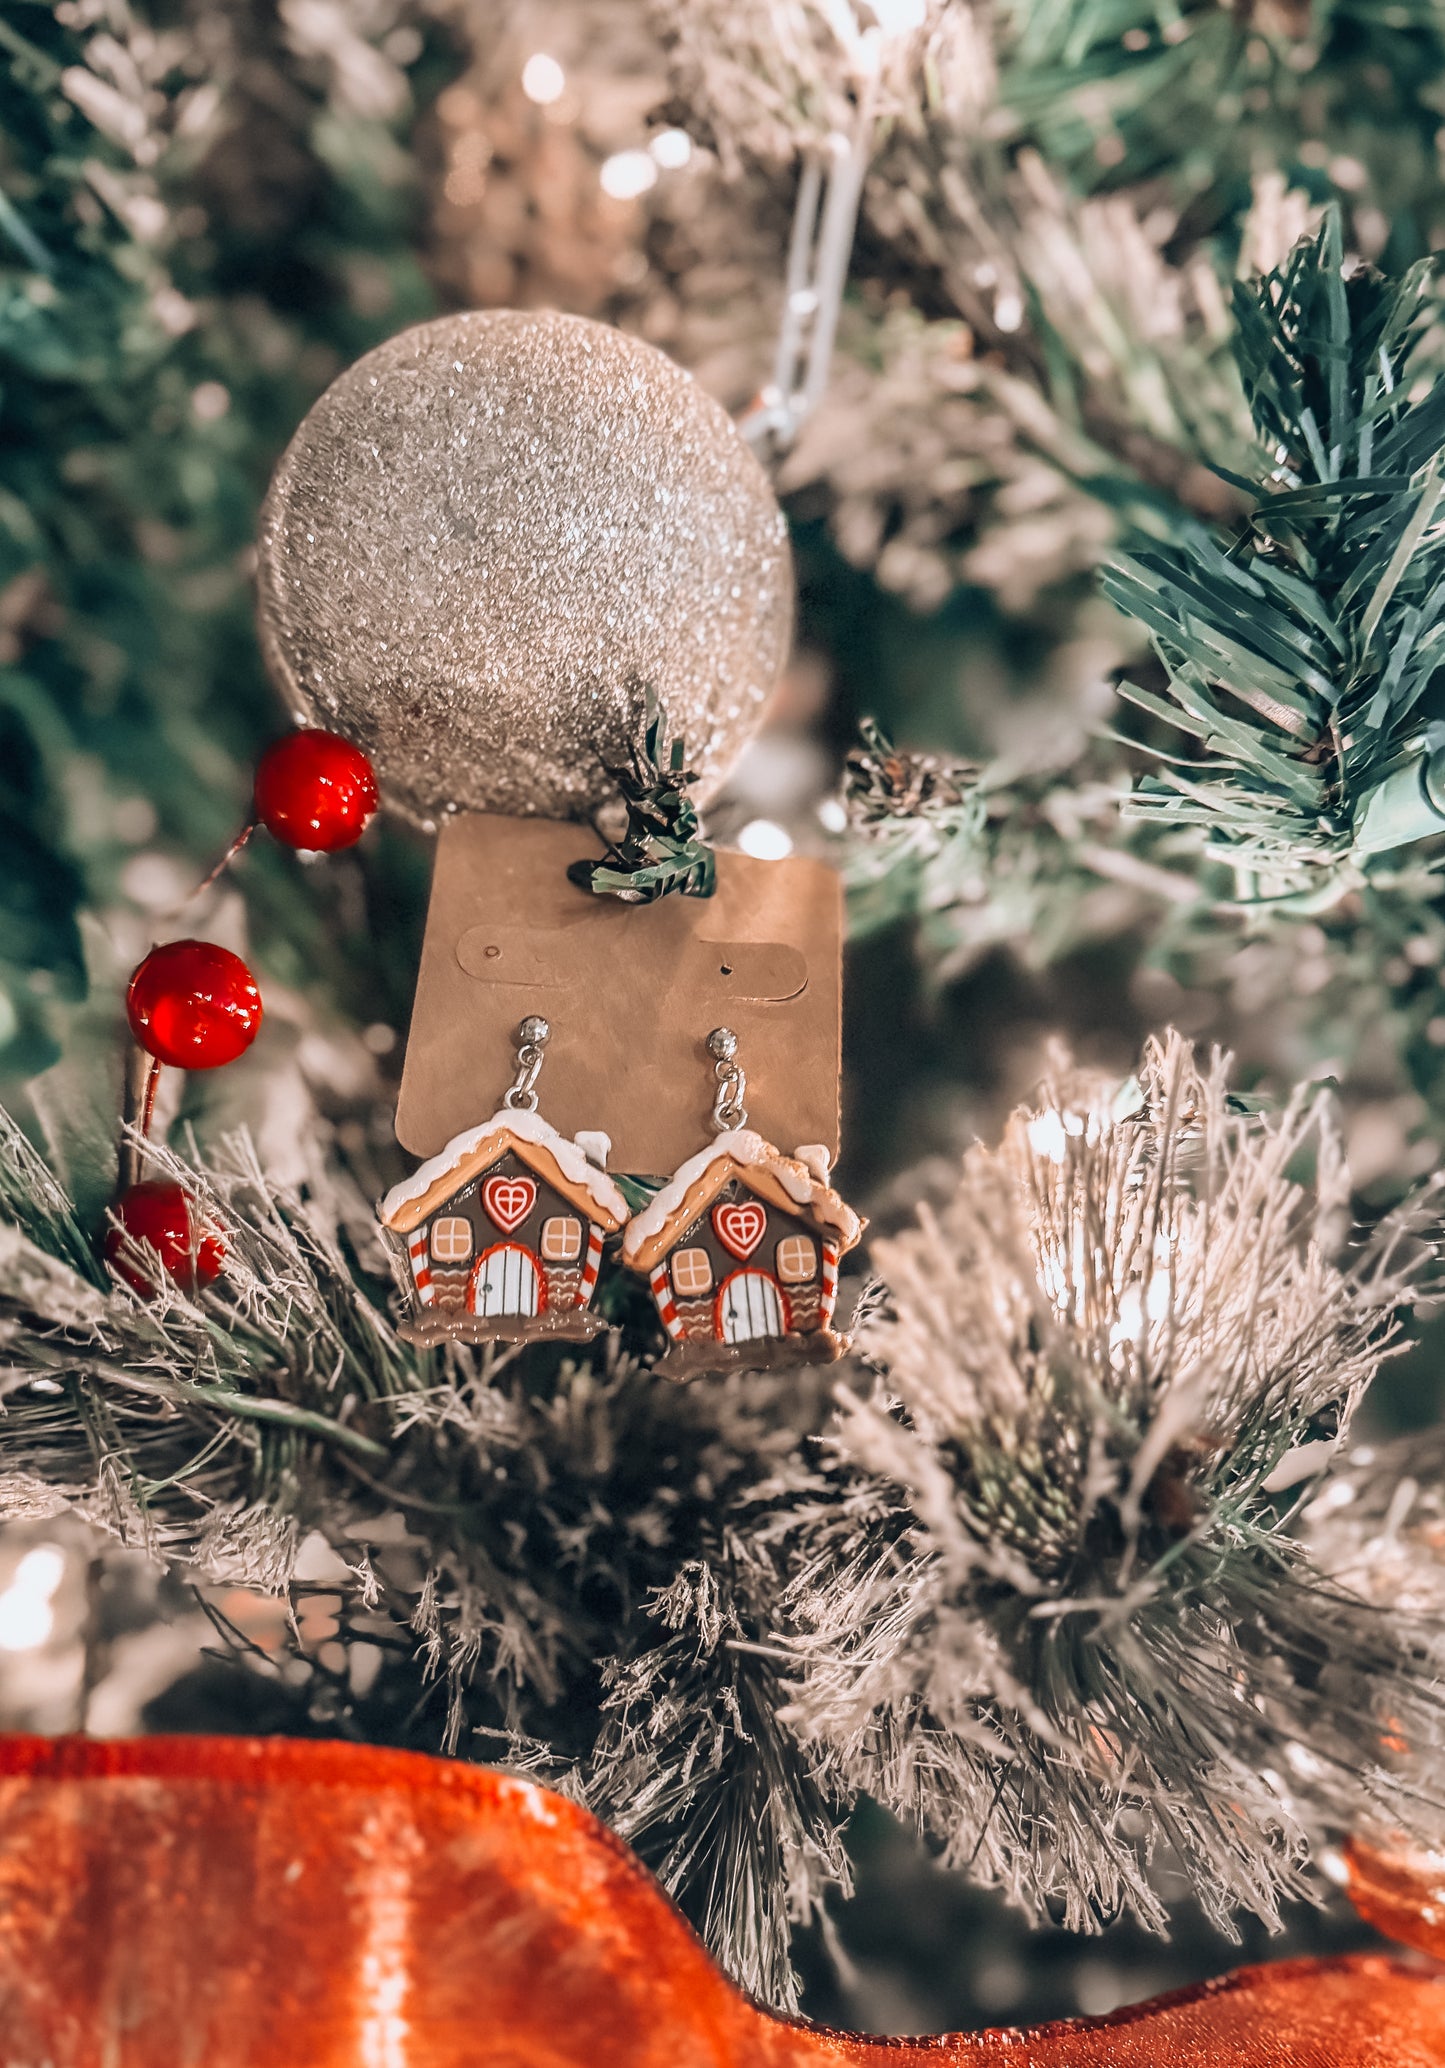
(631, 991)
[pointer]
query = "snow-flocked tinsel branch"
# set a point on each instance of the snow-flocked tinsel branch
(1076, 1630)
(1030, 1576)
(552, 1510)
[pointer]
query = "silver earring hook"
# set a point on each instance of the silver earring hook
(532, 1037)
(728, 1110)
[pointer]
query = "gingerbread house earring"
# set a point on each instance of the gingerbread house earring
(741, 1247)
(499, 1237)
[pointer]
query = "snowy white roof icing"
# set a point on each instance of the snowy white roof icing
(800, 1183)
(526, 1127)
(595, 1146)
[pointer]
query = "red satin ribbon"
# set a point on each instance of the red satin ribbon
(244, 1903)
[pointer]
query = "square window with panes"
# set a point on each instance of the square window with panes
(561, 1239)
(451, 1239)
(797, 1259)
(691, 1274)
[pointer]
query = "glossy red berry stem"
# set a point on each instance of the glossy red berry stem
(148, 1098)
(221, 867)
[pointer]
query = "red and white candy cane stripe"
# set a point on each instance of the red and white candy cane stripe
(591, 1267)
(662, 1293)
(420, 1269)
(829, 1299)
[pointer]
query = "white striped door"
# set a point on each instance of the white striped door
(750, 1307)
(505, 1282)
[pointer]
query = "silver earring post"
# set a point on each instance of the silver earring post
(728, 1110)
(532, 1038)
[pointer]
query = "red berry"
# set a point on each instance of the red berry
(315, 791)
(193, 1004)
(162, 1213)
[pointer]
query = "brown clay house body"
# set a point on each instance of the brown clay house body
(741, 1250)
(502, 1235)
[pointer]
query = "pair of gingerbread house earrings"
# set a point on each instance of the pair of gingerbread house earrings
(503, 1235)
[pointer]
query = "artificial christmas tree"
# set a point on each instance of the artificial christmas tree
(1076, 1564)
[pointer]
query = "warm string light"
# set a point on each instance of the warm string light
(899, 18)
(765, 840)
(543, 80)
(672, 148)
(627, 175)
(27, 1605)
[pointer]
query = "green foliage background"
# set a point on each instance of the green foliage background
(204, 215)
(198, 232)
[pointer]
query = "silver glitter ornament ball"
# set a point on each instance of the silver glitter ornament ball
(492, 535)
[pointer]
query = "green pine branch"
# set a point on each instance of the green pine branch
(1301, 654)
(1198, 96)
